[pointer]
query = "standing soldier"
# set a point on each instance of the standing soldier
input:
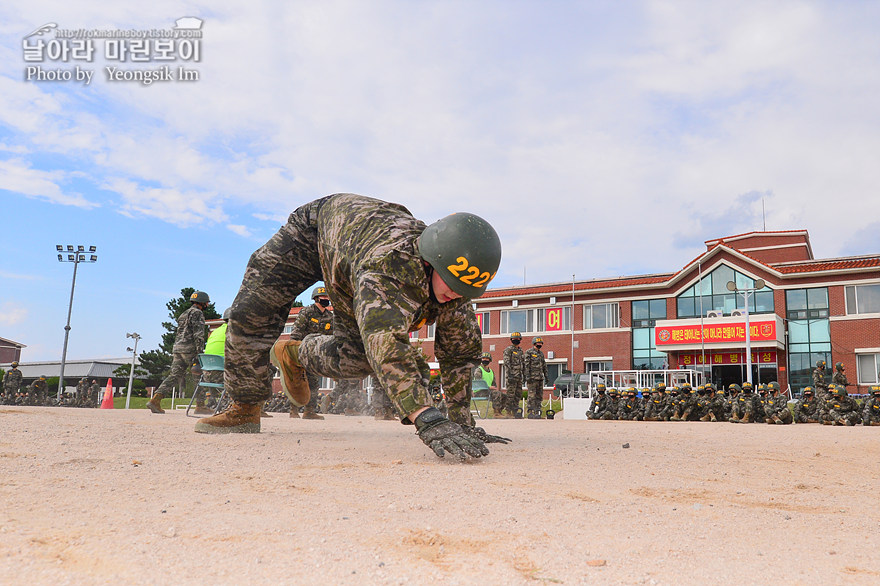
(317, 318)
(12, 382)
(514, 368)
(483, 371)
(188, 342)
(82, 391)
(387, 274)
(819, 385)
(839, 377)
(871, 408)
(536, 376)
(94, 393)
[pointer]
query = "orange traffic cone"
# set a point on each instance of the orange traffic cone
(107, 403)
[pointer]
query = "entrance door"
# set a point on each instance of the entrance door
(726, 375)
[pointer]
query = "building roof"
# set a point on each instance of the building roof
(73, 369)
(12, 343)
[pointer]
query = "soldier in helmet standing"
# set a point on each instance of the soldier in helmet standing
(536, 376)
(839, 376)
(188, 342)
(514, 367)
(317, 318)
(12, 382)
(820, 387)
(387, 274)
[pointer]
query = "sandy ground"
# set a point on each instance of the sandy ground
(126, 497)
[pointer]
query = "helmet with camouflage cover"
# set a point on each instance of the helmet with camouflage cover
(516, 336)
(660, 387)
(14, 363)
(808, 391)
(600, 387)
(875, 390)
(773, 387)
(537, 340)
(820, 364)
(200, 297)
(762, 388)
(835, 390)
(747, 387)
(613, 391)
(710, 387)
(485, 356)
(734, 387)
(838, 366)
(318, 291)
(465, 250)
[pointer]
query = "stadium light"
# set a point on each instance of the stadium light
(75, 258)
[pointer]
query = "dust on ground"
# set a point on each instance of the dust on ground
(92, 496)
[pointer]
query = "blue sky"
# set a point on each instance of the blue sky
(600, 138)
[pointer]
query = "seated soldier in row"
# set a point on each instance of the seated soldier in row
(871, 408)
(807, 408)
(839, 408)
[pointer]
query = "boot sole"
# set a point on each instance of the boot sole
(307, 393)
(155, 409)
(202, 427)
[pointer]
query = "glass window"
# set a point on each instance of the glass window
(711, 294)
(642, 337)
(431, 329)
(807, 303)
(862, 299)
(686, 307)
(658, 308)
(820, 331)
(720, 277)
(484, 316)
(817, 298)
(796, 299)
(641, 310)
(868, 371)
(553, 371)
(601, 315)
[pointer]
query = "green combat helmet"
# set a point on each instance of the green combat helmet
(838, 366)
(820, 364)
(465, 250)
(318, 291)
(200, 297)
(515, 336)
(747, 387)
(537, 340)
(485, 356)
(734, 387)
(773, 387)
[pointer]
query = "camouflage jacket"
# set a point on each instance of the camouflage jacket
(843, 404)
(82, 387)
(12, 381)
(535, 365)
(819, 379)
(807, 409)
(628, 408)
(775, 405)
(311, 320)
(39, 385)
(653, 407)
(380, 289)
(190, 335)
(840, 379)
(871, 408)
(514, 363)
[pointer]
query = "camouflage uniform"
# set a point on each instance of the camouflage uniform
(628, 407)
(311, 320)
(819, 385)
(807, 408)
(871, 408)
(366, 252)
(12, 383)
(37, 392)
(536, 376)
(82, 391)
(842, 409)
(188, 342)
(610, 413)
(599, 404)
(514, 368)
(653, 406)
(744, 406)
(94, 393)
(760, 414)
(716, 407)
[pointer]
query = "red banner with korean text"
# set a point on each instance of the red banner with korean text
(760, 331)
(480, 320)
(553, 319)
(716, 358)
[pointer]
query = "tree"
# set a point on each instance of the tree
(125, 369)
(158, 362)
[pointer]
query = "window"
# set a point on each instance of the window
(597, 366)
(601, 315)
(806, 303)
(647, 312)
(554, 370)
(869, 369)
(431, 329)
(862, 299)
(710, 294)
(288, 329)
(522, 320)
(484, 320)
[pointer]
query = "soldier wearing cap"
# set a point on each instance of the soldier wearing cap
(514, 368)
(839, 376)
(387, 274)
(807, 408)
(189, 341)
(317, 318)
(536, 377)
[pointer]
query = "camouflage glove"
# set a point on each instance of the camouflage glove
(442, 435)
(480, 434)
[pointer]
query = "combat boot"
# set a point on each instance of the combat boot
(875, 423)
(239, 418)
(770, 419)
(734, 419)
(285, 356)
(351, 412)
(294, 412)
(775, 419)
(155, 404)
(309, 413)
(707, 417)
(746, 418)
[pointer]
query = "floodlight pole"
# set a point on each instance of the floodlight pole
(134, 350)
(76, 256)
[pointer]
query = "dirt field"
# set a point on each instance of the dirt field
(112, 497)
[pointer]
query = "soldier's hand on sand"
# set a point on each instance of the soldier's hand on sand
(442, 435)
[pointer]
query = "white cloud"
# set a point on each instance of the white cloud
(12, 313)
(182, 208)
(16, 175)
(239, 229)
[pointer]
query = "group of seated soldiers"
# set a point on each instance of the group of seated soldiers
(739, 404)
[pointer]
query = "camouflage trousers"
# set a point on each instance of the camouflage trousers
(514, 393)
(179, 363)
(276, 274)
(536, 395)
(499, 400)
(314, 387)
(842, 417)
